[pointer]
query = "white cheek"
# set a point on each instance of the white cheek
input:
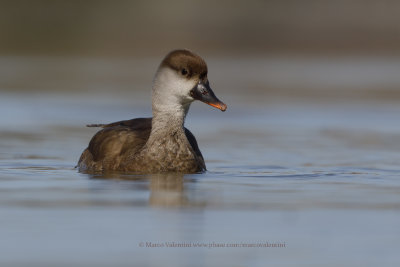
(169, 84)
(182, 86)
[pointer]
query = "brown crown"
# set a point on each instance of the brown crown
(187, 60)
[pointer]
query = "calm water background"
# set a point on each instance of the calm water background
(307, 155)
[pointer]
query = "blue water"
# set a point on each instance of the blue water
(321, 178)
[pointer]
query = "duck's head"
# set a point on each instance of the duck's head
(180, 79)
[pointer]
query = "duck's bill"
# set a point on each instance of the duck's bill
(203, 92)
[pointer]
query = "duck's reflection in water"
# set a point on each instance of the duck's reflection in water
(166, 190)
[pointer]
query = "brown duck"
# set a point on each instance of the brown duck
(162, 143)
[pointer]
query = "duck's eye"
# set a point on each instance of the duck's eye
(184, 72)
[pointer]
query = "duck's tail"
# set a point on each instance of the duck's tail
(96, 125)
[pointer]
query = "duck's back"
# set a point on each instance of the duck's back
(117, 143)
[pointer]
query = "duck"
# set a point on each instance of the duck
(160, 144)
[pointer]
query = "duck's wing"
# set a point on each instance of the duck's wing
(114, 142)
(192, 140)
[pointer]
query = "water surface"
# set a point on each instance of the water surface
(320, 178)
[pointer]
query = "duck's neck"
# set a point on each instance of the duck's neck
(170, 106)
(168, 121)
